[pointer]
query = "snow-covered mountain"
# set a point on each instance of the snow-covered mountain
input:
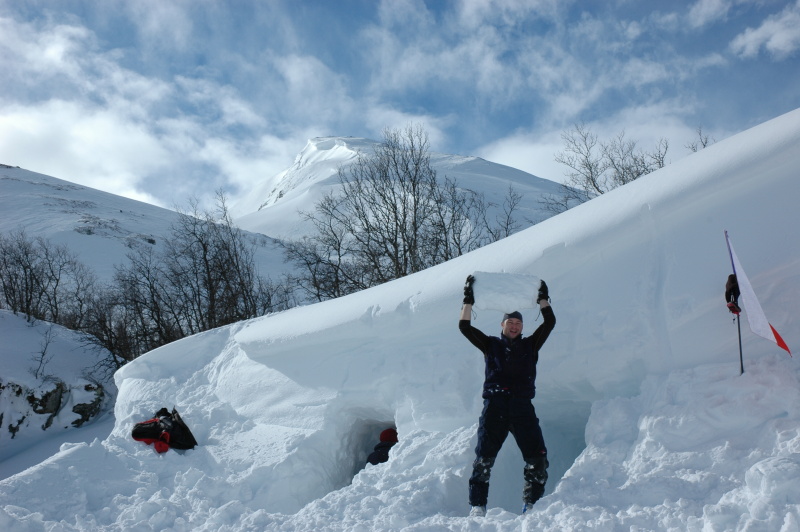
(648, 423)
(271, 208)
(101, 228)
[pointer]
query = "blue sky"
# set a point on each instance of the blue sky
(163, 100)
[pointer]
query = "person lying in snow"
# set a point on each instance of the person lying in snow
(381, 452)
(509, 386)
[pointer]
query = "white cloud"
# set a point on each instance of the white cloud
(647, 124)
(477, 48)
(378, 117)
(707, 11)
(161, 25)
(637, 72)
(394, 13)
(104, 149)
(231, 108)
(778, 35)
(478, 13)
(248, 163)
(63, 59)
(108, 127)
(312, 92)
(93, 147)
(36, 55)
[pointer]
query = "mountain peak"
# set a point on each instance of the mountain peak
(272, 208)
(318, 161)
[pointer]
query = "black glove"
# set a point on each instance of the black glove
(469, 296)
(543, 293)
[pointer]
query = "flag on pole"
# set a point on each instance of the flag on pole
(755, 314)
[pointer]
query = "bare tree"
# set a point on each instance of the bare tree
(325, 260)
(205, 277)
(43, 357)
(391, 217)
(112, 326)
(506, 223)
(596, 167)
(44, 281)
(588, 167)
(210, 267)
(21, 275)
(150, 308)
(701, 142)
(626, 164)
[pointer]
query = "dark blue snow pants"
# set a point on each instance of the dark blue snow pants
(501, 415)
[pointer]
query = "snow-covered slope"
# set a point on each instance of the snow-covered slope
(50, 380)
(100, 227)
(648, 423)
(272, 207)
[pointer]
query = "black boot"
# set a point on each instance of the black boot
(479, 481)
(535, 474)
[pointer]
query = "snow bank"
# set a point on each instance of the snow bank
(698, 449)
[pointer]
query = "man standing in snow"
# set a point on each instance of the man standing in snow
(508, 389)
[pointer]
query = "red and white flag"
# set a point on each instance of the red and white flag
(755, 314)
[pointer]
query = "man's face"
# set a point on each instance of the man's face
(512, 327)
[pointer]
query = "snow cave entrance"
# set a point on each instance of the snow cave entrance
(360, 440)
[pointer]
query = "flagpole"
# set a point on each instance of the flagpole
(741, 360)
(738, 322)
(755, 314)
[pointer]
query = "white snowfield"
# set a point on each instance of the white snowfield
(648, 423)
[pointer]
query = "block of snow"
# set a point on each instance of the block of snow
(505, 292)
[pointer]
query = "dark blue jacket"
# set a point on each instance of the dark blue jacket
(380, 454)
(510, 364)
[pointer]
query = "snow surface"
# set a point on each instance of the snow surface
(648, 423)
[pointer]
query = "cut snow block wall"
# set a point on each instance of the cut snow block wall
(505, 292)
